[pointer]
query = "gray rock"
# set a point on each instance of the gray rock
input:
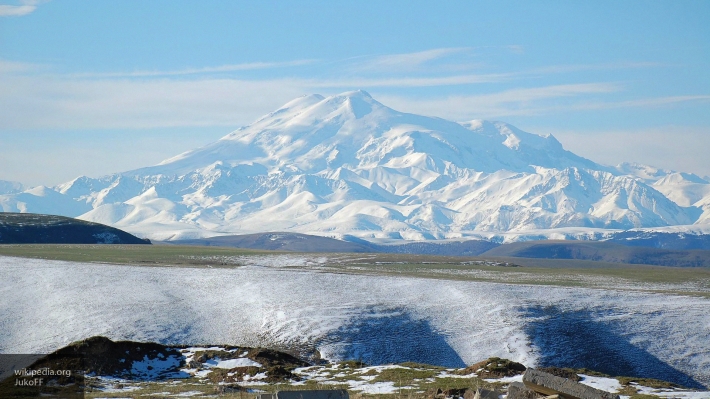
(548, 384)
(315, 394)
(482, 393)
(517, 390)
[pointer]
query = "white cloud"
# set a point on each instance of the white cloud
(554, 69)
(537, 93)
(527, 102)
(25, 7)
(41, 102)
(410, 82)
(407, 60)
(681, 148)
(31, 101)
(145, 99)
(7, 67)
(195, 71)
(643, 102)
(510, 102)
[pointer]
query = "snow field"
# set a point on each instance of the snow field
(47, 304)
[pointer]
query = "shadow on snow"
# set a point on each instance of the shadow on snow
(393, 336)
(578, 339)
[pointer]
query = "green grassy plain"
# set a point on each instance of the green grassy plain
(569, 273)
(159, 255)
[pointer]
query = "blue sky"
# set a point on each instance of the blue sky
(95, 87)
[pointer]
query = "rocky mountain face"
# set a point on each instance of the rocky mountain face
(349, 165)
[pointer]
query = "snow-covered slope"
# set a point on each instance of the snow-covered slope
(347, 164)
(43, 200)
(377, 319)
(687, 190)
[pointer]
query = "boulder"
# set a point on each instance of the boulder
(562, 372)
(517, 390)
(482, 393)
(548, 384)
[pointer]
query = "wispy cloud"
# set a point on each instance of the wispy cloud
(197, 71)
(552, 69)
(31, 102)
(530, 102)
(7, 67)
(51, 102)
(411, 82)
(433, 60)
(676, 147)
(33, 98)
(537, 93)
(406, 60)
(526, 101)
(643, 102)
(25, 7)
(452, 62)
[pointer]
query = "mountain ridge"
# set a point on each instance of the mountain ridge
(349, 165)
(29, 228)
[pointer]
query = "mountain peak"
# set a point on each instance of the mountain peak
(311, 100)
(355, 94)
(347, 164)
(358, 102)
(315, 134)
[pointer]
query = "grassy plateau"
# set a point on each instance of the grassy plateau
(570, 273)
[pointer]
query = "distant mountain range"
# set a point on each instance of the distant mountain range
(643, 249)
(348, 166)
(10, 187)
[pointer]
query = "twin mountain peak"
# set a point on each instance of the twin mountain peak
(349, 165)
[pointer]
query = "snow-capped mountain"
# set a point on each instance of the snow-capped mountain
(349, 165)
(10, 187)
